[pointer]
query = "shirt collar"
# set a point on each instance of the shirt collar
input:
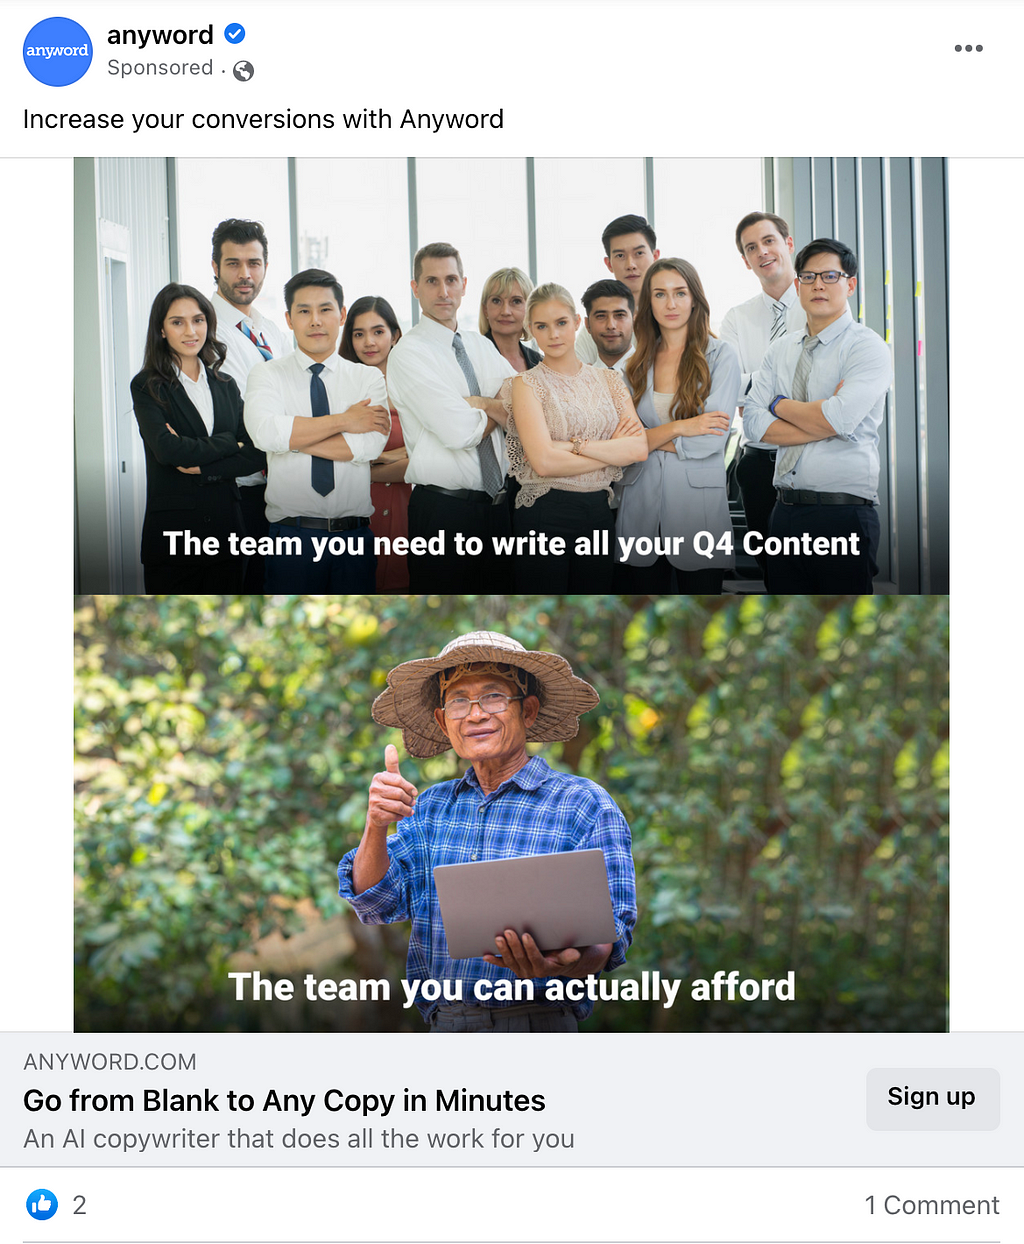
(202, 382)
(788, 297)
(835, 328)
(534, 773)
(331, 363)
(438, 332)
(231, 315)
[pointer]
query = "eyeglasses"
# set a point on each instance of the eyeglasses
(808, 278)
(491, 703)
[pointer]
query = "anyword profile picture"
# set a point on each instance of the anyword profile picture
(57, 51)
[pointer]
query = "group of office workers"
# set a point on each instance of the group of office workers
(540, 454)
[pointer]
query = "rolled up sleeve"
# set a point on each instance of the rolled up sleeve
(442, 412)
(757, 418)
(391, 898)
(270, 429)
(368, 446)
(383, 903)
(867, 374)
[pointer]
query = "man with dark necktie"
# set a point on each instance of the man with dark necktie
(240, 268)
(321, 420)
(443, 381)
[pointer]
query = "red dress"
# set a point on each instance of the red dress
(391, 519)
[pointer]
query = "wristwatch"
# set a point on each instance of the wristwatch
(775, 401)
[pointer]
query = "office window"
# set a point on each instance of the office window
(480, 207)
(353, 220)
(209, 191)
(697, 205)
(575, 200)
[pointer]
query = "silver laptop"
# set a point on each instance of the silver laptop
(561, 900)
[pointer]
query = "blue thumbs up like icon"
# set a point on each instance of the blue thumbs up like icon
(41, 1204)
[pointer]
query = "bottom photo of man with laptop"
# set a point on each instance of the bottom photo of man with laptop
(552, 814)
(497, 866)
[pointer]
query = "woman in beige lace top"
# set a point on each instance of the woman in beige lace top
(571, 430)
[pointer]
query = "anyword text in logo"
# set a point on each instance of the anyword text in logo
(57, 51)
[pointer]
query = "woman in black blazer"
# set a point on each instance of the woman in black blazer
(190, 418)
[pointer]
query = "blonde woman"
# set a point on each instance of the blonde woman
(503, 313)
(674, 510)
(572, 428)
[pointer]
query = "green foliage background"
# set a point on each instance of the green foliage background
(783, 763)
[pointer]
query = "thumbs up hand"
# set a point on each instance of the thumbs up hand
(391, 796)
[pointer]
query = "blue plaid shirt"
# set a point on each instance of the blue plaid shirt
(537, 811)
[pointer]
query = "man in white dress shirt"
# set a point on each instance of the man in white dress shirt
(240, 268)
(763, 241)
(630, 247)
(609, 321)
(442, 381)
(321, 420)
(820, 397)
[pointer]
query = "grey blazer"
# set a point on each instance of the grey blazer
(683, 493)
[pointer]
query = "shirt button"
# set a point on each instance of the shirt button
(387, 484)
(473, 856)
(386, 513)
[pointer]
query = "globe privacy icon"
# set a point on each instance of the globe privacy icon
(57, 51)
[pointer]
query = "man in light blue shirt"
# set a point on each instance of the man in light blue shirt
(820, 397)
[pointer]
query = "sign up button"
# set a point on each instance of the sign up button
(933, 1099)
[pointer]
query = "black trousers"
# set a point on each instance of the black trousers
(196, 574)
(755, 473)
(661, 578)
(453, 573)
(254, 511)
(569, 515)
(829, 573)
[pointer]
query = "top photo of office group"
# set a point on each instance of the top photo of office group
(639, 376)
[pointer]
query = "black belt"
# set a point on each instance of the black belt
(802, 496)
(326, 524)
(756, 449)
(466, 494)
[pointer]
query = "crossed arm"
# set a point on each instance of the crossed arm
(626, 444)
(800, 423)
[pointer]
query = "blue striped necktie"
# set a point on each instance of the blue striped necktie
(259, 342)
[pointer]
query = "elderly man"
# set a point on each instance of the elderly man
(486, 696)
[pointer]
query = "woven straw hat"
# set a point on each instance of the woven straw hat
(413, 691)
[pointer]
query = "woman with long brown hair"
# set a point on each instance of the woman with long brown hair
(369, 332)
(673, 521)
(190, 417)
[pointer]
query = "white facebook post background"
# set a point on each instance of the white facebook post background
(574, 79)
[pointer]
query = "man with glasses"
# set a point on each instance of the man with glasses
(486, 696)
(820, 397)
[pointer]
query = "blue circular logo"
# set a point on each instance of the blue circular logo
(41, 1203)
(57, 51)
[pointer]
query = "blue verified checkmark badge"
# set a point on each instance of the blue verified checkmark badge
(234, 32)
(41, 1204)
